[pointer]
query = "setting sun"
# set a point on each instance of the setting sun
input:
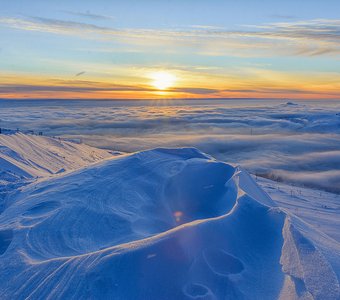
(170, 149)
(162, 80)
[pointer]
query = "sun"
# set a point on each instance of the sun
(162, 80)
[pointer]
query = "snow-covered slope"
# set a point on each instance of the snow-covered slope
(27, 156)
(160, 224)
(318, 208)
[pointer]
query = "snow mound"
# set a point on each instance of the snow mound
(27, 156)
(160, 224)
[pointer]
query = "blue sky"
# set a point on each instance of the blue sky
(152, 13)
(230, 47)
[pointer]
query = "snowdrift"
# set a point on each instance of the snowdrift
(160, 224)
(29, 156)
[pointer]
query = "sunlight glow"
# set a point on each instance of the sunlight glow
(162, 80)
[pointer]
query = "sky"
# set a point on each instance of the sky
(170, 49)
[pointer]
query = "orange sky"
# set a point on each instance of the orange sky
(263, 84)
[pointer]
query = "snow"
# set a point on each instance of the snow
(319, 209)
(160, 224)
(30, 156)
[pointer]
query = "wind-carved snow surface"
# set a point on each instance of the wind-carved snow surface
(160, 224)
(28, 156)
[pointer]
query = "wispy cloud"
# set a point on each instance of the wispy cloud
(102, 82)
(314, 37)
(55, 26)
(283, 17)
(282, 91)
(88, 15)
(80, 73)
(195, 91)
(85, 87)
(206, 27)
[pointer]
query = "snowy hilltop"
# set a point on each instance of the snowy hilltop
(157, 224)
(28, 156)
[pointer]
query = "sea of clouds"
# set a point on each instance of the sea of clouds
(294, 142)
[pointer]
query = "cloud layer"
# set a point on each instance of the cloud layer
(298, 143)
(307, 38)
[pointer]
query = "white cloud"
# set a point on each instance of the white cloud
(297, 143)
(308, 38)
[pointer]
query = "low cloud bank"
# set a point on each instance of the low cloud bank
(297, 143)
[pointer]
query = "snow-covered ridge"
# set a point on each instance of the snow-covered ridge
(160, 224)
(28, 156)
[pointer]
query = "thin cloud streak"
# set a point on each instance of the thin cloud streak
(308, 38)
(79, 86)
(88, 15)
(84, 87)
(80, 73)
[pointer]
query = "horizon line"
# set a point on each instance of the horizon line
(166, 99)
